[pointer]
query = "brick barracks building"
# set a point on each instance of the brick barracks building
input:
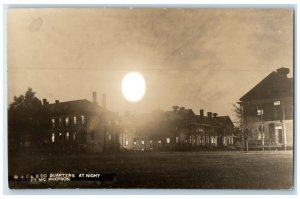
(82, 126)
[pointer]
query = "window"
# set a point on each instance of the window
(92, 136)
(53, 122)
(126, 142)
(67, 121)
(134, 142)
(150, 141)
(143, 142)
(74, 136)
(278, 127)
(109, 137)
(159, 141)
(67, 136)
(59, 121)
(276, 103)
(82, 119)
(53, 137)
(143, 149)
(260, 112)
(177, 139)
(168, 140)
(74, 120)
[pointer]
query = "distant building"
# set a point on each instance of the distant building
(82, 126)
(179, 130)
(267, 110)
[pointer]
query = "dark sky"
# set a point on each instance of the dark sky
(197, 58)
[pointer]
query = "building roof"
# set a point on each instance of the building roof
(223, 121)
(179, 114)
(275, 85)
(76, 106)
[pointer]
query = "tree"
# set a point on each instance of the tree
(247, 127)
(27, 120)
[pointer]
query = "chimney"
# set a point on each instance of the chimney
(182, 108)
(94, 97)
(104, 100)
(201, 112)
(215, 114)
(283, 71)
(56, 101)
(45, 102)
(209, 114)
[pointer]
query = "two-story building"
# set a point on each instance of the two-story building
(179, 130)
(82, 126)
(267, 111)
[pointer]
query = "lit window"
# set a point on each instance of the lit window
(260, 112)
(53, 122)
(143, 142)
(53, 137)
(134, 142)
(276, 103)
(150, 141)
(82, 119)
(278, 127)
(67, 121)
(177, 139)
(143, 149)
(74, 136)
(126, 142)
(74, 119)
(67, 135)
(168, 140)
(109, 136)
(159, 141)
(60, 134)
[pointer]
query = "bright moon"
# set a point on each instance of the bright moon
(133, 86)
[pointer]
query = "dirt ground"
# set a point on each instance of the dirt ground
(180, 170)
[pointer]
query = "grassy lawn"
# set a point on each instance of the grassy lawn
(205, 170)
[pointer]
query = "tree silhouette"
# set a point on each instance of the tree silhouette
(246, 127)
(27, 122)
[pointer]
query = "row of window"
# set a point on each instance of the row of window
(59, 123)
(60, 136)
(270, 111)
(204, 139)
(168, 141)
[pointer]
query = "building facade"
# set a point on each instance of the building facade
(267, 111)
(179, 130)
(82, 126)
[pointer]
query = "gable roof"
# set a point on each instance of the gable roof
(275, 85)
(223, 121)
